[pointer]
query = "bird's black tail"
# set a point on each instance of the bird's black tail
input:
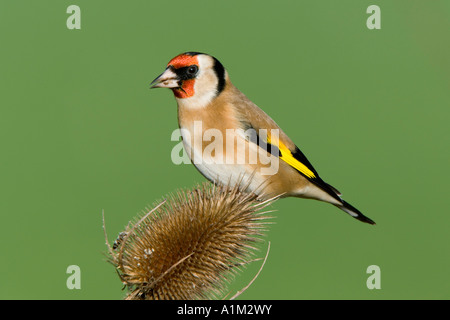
(355, 213)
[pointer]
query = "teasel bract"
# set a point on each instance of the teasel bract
(191, 245)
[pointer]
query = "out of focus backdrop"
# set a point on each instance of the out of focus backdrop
(81, 132)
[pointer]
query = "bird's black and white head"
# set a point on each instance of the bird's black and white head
(195, 79)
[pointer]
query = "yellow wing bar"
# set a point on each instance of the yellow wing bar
(286, 156)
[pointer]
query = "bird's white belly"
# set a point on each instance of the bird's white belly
(222, 167)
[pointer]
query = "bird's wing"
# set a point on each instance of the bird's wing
(295, 158)
(252, 117)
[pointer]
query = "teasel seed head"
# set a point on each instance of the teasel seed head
(191, 245)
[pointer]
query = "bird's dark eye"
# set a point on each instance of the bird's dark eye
(192, 70)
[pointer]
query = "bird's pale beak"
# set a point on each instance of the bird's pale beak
(168, 79)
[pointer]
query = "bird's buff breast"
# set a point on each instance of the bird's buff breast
(216, 164)
(223, 155)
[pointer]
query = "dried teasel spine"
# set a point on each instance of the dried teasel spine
(192, 245)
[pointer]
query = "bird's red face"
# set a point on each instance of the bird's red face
(196, 79)
(180, 75)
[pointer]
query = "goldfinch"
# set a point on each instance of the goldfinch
(227, 137)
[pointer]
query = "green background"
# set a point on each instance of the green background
(81, 132)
